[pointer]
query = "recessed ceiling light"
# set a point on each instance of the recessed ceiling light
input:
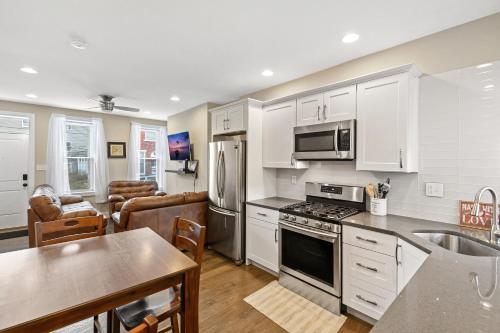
(175, 98)
(31, 96)
(488, 64)
(79, 44)
(350, 38)
(29, 70)
(489, 86)
(267, 73)
(147, 112)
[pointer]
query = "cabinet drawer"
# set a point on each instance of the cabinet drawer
(264, 214)
(370, 240)
(366, 298)
(372, 267)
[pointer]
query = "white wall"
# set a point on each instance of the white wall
(459, 141)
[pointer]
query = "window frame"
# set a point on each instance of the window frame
(91, 172)
(157, 153)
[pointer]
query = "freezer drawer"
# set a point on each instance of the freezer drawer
(225, 233)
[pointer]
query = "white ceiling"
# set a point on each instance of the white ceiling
(144, 52)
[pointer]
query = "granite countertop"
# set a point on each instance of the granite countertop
(442, 295)
(273, 202)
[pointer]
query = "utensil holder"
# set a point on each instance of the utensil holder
(378, 206)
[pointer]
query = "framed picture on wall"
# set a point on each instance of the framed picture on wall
(117, 150)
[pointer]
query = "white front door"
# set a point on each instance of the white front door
(14, 165)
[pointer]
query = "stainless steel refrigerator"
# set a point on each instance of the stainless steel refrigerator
(226, 188)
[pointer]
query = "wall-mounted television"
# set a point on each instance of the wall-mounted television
(179, 146)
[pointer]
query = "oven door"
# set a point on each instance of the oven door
(311, 256)
(330, 141)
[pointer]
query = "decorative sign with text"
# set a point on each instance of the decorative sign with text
(483, 221)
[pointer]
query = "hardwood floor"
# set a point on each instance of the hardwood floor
(223, 288)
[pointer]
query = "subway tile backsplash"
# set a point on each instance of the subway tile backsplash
(459, 142)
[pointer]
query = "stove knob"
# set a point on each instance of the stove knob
(293, 218)
(305, 221)
(285, 216)
(318, 224)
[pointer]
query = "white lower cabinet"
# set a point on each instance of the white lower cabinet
(262, 242)
(376, 267)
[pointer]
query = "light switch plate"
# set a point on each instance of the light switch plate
(294, 180)
(434, 190)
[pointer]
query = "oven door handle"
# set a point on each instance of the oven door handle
(313, 233)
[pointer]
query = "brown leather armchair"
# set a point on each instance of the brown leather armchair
(46, 206)
(158, 213)
(120, 191)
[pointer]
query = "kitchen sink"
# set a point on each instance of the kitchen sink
(458, 243)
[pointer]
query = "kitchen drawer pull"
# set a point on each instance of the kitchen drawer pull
(367, 301)
(367, 240)
(367, 267)
(261, 214)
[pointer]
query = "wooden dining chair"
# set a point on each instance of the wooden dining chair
(189, 237)
(150, 325)
(65, 230)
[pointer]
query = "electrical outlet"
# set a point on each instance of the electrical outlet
(434, 190)
(294, 180)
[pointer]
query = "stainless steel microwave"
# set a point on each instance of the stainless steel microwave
(329, 141)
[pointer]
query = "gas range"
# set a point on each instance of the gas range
(310, 237)
(325, 206)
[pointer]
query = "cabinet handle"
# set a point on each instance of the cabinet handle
(401, 158)
(261, 214)
(291, 159)
(367, 301)
(366, 267)
(224, 124)
(228, 124)
(276, 235)
(318, 112)
(324, 111)
(367, 240)
(397, 255)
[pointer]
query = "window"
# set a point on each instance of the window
(148, 154)
(79, 160)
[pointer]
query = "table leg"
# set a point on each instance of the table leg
(190, 293)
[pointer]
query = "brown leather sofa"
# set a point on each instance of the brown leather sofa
(46, 206)
(120, 191)
(158, 213)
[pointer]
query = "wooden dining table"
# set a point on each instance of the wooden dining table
(47, 288)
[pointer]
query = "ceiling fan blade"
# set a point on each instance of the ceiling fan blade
(94, 107)
(126, 108)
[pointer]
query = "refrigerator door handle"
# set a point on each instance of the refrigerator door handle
(218, 174)
(223, 173)
(221, 211)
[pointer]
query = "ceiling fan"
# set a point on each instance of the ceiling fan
(106, 104)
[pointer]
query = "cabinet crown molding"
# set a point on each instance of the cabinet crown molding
(408, 68)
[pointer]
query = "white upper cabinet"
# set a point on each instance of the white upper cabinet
(339, 104)
(334, 105)
(230, 119)
(310, 110)
(387, 124)
(278, 121)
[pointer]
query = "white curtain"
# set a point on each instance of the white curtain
(133, 151)
(57, 168)
(98, 152)
(162, 154)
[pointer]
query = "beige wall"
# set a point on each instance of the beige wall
(197, 122)
(469, 44)
(117, 128)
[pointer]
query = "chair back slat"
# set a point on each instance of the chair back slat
(150, 325)
(190, 236)
(72, 229)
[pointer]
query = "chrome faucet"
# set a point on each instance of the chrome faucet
(495, 228)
